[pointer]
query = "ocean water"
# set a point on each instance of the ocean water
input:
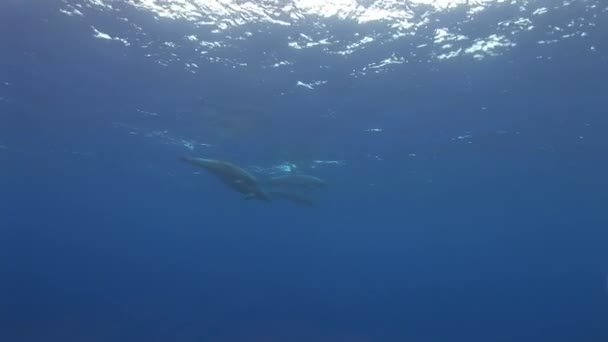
(463, 144)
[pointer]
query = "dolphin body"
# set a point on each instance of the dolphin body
(298, 180)
(233, 176)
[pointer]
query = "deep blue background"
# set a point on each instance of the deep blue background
(105, 237)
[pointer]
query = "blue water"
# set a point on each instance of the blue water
(466, 198)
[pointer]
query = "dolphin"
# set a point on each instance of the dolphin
(298, 180)
(231, 175)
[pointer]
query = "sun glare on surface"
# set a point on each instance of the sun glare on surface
(408, 30)
(452, 3)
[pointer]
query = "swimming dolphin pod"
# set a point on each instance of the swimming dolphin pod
(244, 182)
(231, 175)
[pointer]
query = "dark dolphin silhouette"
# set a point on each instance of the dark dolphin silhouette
(233, 176)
